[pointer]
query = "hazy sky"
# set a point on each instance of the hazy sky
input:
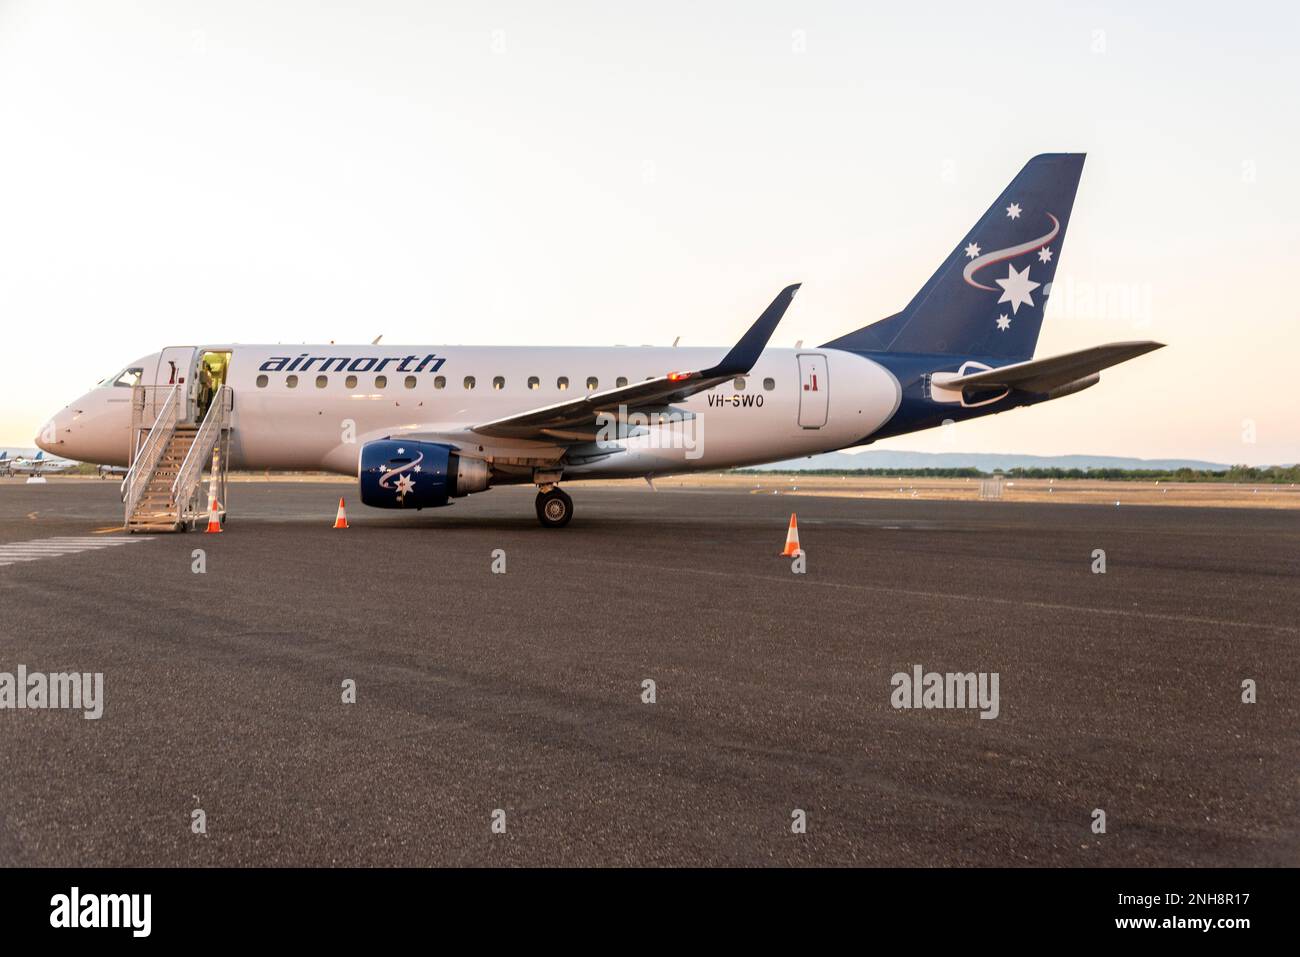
(176, 172)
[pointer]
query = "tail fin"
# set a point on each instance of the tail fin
(987, 298)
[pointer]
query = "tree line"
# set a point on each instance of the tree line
(1235, 474)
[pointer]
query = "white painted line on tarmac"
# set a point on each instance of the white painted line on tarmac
(29, 551)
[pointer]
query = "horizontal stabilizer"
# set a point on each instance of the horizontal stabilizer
(1043, 375)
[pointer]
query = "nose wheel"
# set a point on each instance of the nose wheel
(554, 508)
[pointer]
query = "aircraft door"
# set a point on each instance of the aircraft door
(814, 390)
(175, 365)
(210, 375)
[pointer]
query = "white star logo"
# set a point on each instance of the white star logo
(1004, 323)
(1016, 288)
(1013, 211)
(1045, 255)
(401, 451)
(972, 250)
(404, 485)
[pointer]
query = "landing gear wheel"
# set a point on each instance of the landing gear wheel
(554, 508)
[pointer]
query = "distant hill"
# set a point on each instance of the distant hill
(984, 461)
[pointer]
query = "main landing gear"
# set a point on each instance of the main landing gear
(554, 507)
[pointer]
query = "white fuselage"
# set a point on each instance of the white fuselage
(312, 407)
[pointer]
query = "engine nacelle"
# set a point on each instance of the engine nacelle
(401, 473)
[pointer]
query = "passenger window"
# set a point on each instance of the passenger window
(440, 382)
(322, 381)
(350, 382)
(291, 382)
(769, 384)
(534, 382)
(562, 383)
(381, 381)
(409, 382)
(469, 382)
(620, 381)
(592, 383)
(261, 381)
(498, 383)
(739, 383)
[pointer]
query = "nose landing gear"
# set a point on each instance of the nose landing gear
(554, 507)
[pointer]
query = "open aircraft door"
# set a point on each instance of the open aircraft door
(814, 390)
(175, 365)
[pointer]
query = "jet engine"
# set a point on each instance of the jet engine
(400, 473)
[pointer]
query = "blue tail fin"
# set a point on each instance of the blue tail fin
(987, 298)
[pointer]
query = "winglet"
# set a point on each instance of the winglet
(745, 353)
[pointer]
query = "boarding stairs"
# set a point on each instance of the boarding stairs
(164, 489)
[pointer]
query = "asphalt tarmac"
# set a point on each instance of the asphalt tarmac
(522, 692)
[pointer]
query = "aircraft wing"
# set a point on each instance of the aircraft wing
(575, 420)
(1043, 375)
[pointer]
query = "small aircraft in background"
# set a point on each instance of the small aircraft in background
(35, 466)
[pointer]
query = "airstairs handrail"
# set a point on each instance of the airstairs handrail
(190, 475)
(146, 460)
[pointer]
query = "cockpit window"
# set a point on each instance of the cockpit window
(126, 379)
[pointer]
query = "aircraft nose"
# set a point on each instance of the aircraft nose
(93, 428)
(57, 433)
(51, 433)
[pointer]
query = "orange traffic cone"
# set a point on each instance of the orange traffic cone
(214, 523)
(792, 539)
(341, 519)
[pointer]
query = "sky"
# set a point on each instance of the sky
(590, 173)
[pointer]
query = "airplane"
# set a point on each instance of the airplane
(419, 427)
(35, 466)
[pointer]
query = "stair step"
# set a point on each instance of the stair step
(155, 510)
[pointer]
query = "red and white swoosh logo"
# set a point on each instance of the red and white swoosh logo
(1002, 255)
(390, 473)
